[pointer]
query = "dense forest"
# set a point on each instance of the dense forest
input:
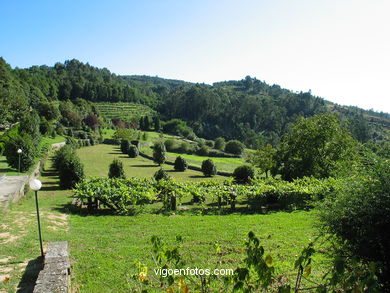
(249, 110)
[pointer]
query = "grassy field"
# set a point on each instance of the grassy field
(124, 111)
(103, 247)
(98, 158)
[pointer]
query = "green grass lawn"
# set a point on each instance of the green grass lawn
(103, 247)
(97, 159)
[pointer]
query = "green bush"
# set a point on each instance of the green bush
(120, 195)
(359, 215)
(184, 148)
(243, 174)
(159, 153)
(234, 147)
(208, 168)
(133, 151)
(125, 144)
(180, 164)
(116, 170)
(170, 145)
(210, 143)
(161, 174)
(71, 172)
(220, 143)
(2, 148)
(202, 151)
(29, 152)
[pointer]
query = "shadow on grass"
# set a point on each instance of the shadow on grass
(141, 166)
(30, 276)
(197, 176)
(51, 187)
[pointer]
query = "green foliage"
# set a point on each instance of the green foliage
(234, 147)
(116, 170)
(263, 158)
(49, 111)
(133, 151)
(313, 147)
(29, 152)
(125, 144)
(156, 123)
(170, 145)
(359, 214)
(220, 143)
(243, 174)
(120, 195)
(180, 164)
(208, 168)
(161, 174)
(179, 127)
(125, 134)
(159, 153)
(70, 169)
(30, 125)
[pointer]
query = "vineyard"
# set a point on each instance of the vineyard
(125, 111)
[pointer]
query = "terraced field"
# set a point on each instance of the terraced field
(125, 111)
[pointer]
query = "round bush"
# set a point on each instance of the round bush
(170, 145)
(243, 174)
(161, 174)
(210, 143)
(180, 164)
(116, 170)
(208, 168)
(133, 151)
(234, 147)
(125, 144)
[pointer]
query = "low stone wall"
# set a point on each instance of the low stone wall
(55, 276)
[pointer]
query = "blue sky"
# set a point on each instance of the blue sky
(340, 50)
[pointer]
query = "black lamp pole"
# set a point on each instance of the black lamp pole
(39, 222)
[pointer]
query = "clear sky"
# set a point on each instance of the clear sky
(340, 49)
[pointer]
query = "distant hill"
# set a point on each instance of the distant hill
(247, 109)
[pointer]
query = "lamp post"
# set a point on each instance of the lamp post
(19, 153)
(36, 185)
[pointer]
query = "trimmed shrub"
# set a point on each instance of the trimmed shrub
(234, 147)
(125, 144)
(116, 170)
(220, 143)
(29, 152)
(71, 172)
(180, 164)
(243, 174)
(208, 168)
(161, 174)
(133, 151)
(159, 153)
(61, 155)
(184, 148)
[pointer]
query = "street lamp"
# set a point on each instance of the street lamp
(19, 153)
(36, 185)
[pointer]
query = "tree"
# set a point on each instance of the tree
(159, 153)
(71, 172)
(313, 147)
(92, 121)
(141, 123)
(116, 169)
(156, 123)
(208, 168)
(234, 147)
(263, 158)
(180, 164)
(146, 123)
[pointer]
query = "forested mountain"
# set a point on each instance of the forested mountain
(249, 110)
